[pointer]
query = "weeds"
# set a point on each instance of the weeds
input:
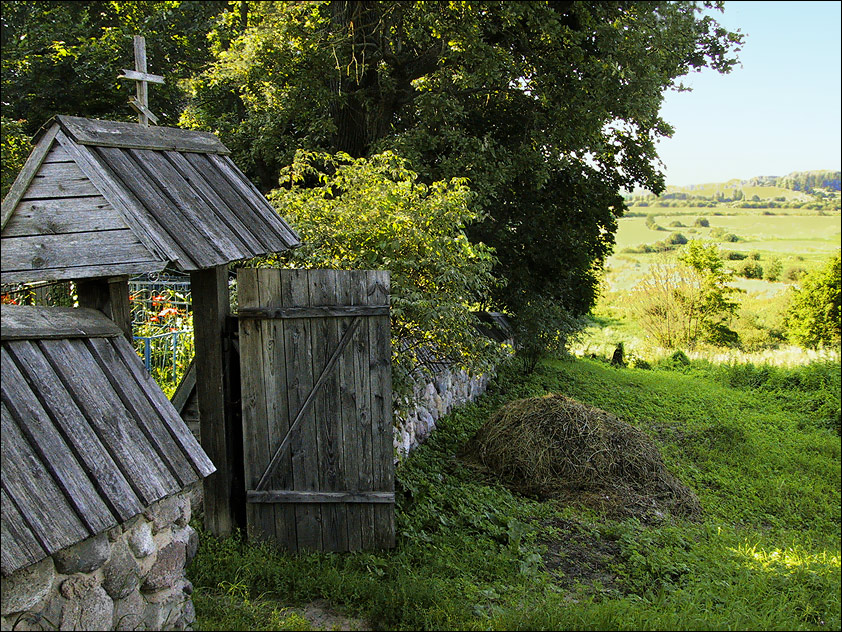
(473, 555)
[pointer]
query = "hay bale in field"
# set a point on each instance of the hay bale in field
(555, 446)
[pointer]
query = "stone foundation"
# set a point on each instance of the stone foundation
(436, 396)
(129, 578)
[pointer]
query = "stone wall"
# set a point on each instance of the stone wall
(129, 578)
(436, 395)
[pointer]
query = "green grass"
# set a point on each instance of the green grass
(756, 444)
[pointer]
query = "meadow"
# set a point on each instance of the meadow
(759, 446)
(795, 240)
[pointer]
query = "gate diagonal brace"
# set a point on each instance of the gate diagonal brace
(279, 453)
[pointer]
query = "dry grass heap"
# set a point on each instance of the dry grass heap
(554, 446)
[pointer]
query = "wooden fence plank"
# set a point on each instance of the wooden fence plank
(300, 381)
(320, 311)
(326, 339)
(260, 520)
(277, 404)
(350, 497)
(381, 404)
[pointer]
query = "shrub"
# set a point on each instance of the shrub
(794, 273)
(773, 269)
(374, 214)
(702, 222)
(542, 328)
(815, 312)
(15, 146)
(750, 270)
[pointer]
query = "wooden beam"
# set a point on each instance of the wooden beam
(323, 311)
(141, 76)
(131, 135)
(109, 296)
(209, 289)
(20, 322)
(290, 496)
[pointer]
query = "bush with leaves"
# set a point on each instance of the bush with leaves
(688, 301)
(815, 312)
(16, 146)
(542, 328)
(374, 214)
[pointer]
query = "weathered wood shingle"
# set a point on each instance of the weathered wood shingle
(89, 439)
(99, 198)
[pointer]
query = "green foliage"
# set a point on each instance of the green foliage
(15, 146)
(816, 309)
(472, 555)
(65, 57)
(773, 269)
(541, 329)
(750, 270)
(455, 90)
(794, 273)
(683, 303)
(365, 214)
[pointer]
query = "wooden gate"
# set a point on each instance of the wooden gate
(316, 403)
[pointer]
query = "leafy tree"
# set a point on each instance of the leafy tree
(669, 304)
(65, 57)
(815, 311)
(375, 214)
(549, 109)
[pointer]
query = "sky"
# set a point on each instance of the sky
(777, 113)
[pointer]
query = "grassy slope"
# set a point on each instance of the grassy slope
(472, 555)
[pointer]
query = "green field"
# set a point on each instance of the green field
(798, 241)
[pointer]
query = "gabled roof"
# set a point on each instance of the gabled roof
(101, 198)
(89, 439)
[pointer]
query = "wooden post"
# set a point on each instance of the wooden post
(111, 297)
(210, 309)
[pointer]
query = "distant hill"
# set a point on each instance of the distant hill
(818, 190)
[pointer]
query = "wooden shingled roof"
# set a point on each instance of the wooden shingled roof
(98, 198)
(89, 439)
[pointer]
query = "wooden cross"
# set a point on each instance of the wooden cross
(140, 104)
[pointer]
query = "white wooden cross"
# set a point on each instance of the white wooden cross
(140, 104)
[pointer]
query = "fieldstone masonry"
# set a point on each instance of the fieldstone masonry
(130, 578)
(436, 395)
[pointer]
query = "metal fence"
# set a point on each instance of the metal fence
(162, 322)
(162, 318)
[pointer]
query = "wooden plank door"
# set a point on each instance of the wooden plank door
(317, 408)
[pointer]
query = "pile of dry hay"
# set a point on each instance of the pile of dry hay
(554, 446)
